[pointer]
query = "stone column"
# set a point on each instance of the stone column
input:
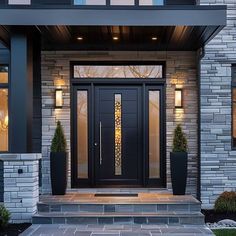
(20, 175)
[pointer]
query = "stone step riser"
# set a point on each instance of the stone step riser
(120, 208)
(195, 220)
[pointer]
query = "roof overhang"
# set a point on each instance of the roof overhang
(178, 27)
(143, 16)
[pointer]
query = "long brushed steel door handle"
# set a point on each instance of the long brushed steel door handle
(100, 140)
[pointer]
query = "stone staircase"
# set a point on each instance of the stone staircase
(147, 208)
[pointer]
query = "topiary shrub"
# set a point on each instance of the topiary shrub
(59, 140)
(180, 143)
(226, 202)
(5, 216)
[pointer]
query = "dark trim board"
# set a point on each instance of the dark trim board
(143, 16)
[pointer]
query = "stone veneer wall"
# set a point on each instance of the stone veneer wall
(20, 178)
(218, 160)
(181, 70)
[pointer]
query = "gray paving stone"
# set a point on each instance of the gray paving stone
(116, 230)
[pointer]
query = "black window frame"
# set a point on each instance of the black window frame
(6, 86)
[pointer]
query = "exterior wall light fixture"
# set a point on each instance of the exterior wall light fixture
(178, 98)
(58, 98)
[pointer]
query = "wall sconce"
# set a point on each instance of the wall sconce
(58, 98)
(178, 98)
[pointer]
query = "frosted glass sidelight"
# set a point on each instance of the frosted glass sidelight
(82, 134)
(154, 134)
(4, 120)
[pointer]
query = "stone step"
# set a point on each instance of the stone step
(171, 218)
(129, 208)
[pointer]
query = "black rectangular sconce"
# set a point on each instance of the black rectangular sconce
(178, 98)
(58, 98)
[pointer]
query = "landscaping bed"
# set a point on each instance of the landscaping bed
(14, 229)
(224, 232)
(211, 216)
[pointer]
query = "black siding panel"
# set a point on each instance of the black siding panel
(37, 102)
(180, 2)
(1, 181)
(4, 56)
(51, 2)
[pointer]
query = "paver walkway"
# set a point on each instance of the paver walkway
(116, 230)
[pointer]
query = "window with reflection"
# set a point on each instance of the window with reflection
(118, 71)
(19, 2)
(151, 2)
(89, 2)
(4, 119)
(122, 2)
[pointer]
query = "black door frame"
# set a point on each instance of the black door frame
(84, 84)
(89, 85)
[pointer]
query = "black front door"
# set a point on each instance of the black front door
(118, 135)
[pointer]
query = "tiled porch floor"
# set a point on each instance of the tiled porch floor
(116, 230)
(143, 198)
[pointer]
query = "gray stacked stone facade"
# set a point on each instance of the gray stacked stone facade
(181, 70)
(218, 159)
(21, 185)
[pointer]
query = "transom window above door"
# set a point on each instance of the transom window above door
(118, 71)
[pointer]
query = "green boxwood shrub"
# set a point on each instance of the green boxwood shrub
(4, 217)
(59, 140)
(180, 143)
(226, 202)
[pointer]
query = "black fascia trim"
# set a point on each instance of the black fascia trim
(160, 16)
(115, 7)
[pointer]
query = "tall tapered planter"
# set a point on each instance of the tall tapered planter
(179, 162)
(178, 165)
(58, 162)
(58, 172)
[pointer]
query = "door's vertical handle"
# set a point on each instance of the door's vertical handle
(100, 140)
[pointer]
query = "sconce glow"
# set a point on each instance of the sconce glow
(58, 98)
(115, 38)
(154, 38)
(80, 38)
(178, 98)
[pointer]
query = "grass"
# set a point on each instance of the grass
(224, 232)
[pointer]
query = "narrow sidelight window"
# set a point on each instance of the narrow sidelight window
(118, 135)
(89, 2)
(234, 106)
(19, 2)
(151, 2)
(154, 134)
(122, 2)
(82, 133)
(4, 109)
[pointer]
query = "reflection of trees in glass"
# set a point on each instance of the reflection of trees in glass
(154, 71)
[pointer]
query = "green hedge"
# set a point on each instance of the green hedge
(224, 232)
(226, 202)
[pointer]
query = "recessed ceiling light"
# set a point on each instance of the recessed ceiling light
(115, 38)
(154, 38)
(80, 38)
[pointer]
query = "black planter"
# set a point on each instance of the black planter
(58, 172)
(178, 166)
